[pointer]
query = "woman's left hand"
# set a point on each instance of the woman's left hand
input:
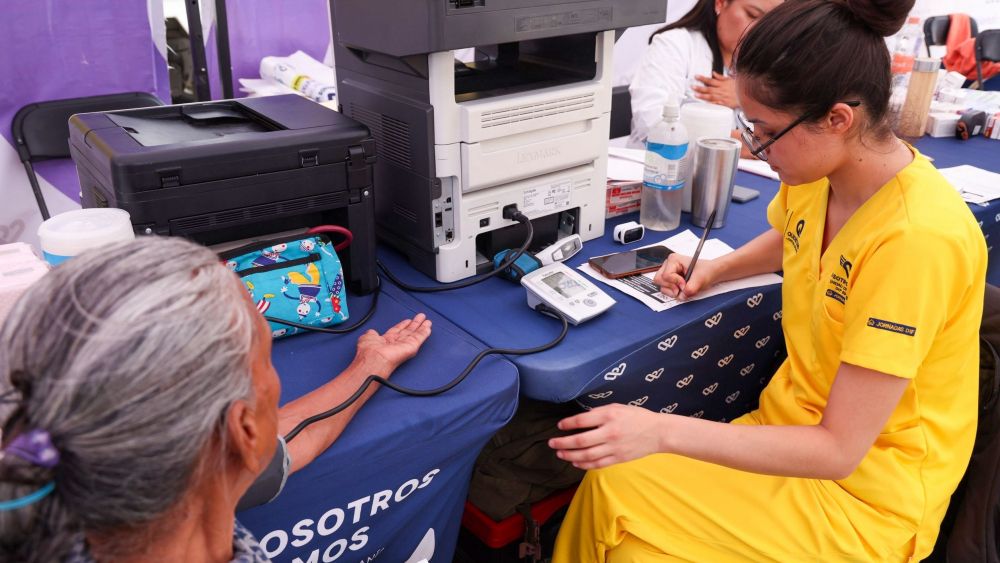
(616, 433)
(717, 89)
(383, 353)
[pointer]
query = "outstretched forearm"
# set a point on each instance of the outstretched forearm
(377, 354)
(317, 437)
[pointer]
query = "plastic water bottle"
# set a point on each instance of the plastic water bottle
(667, 163)
(906, 49)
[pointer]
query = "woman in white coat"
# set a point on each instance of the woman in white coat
(689, 58)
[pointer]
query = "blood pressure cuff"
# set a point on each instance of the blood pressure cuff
(269, 483)
(297, 278)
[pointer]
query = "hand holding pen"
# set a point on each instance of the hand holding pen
(673, 276)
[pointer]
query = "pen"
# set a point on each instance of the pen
(697, 251)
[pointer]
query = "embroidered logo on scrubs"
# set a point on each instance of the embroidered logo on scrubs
(891, 326)
(846, 265)
(793, 238)
(838, 284)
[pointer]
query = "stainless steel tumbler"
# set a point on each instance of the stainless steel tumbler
(714, 175)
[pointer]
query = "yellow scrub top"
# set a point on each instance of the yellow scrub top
(898, 290)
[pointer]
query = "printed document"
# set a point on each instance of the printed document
(642, 287)
(975, 185)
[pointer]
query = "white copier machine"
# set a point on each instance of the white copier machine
(525, 122)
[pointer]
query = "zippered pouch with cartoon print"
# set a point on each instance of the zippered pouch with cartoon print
(298, 278)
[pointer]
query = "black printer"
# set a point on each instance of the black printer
(227, 170)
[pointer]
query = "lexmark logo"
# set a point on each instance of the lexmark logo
(538, 154)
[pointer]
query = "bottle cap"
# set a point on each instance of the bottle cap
(925, 64)
(672, 109)
(70, 233)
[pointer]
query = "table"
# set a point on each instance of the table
(636, 354)
(981, 152)
(394, 483)
(630, 354)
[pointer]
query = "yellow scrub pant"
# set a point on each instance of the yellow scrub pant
(671, 508)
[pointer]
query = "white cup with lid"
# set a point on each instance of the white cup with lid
(68, 234)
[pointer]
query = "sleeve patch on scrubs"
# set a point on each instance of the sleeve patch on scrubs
(891, 326)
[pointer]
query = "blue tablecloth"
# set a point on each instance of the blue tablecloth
(981, 152)
(400, 471)
(631, 354)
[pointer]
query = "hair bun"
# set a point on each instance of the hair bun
(883, 17)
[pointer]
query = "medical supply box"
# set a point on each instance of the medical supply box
(229, 170)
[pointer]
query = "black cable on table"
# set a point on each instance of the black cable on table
(541, 308)
(517, 216)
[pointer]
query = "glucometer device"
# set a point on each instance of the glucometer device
(567, 291)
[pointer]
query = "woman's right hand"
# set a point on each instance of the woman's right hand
(670, 277)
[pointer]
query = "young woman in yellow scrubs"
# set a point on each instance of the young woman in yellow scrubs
(866, 429)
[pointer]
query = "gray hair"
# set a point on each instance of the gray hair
(129, 356)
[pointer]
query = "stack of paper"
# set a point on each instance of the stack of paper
(975, 185)
(758, 167)
(626, 164)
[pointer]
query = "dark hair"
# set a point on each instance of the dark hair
(703, 18)
(805, 56)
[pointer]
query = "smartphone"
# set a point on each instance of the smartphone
(743, 195)
(630, 262)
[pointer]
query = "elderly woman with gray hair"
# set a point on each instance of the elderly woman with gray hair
(139, 404)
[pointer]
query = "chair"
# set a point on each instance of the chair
(971, 528)
(936, 31)
(41, 129)
(987, 49)
(621, 112)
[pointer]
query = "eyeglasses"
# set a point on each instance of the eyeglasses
(753, 142)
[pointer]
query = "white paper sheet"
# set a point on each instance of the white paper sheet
(627, 170)
(635, 155)
(975, 185)
(758, 167)
(641, 286)
(626, 164)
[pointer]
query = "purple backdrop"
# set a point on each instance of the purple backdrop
(71, 48)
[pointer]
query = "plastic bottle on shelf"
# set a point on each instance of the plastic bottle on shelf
(906, 50)
(667, 163)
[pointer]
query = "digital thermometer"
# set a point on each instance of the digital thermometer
(561, 250)
(564, 289)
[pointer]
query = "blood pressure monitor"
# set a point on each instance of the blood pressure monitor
(574, 296)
